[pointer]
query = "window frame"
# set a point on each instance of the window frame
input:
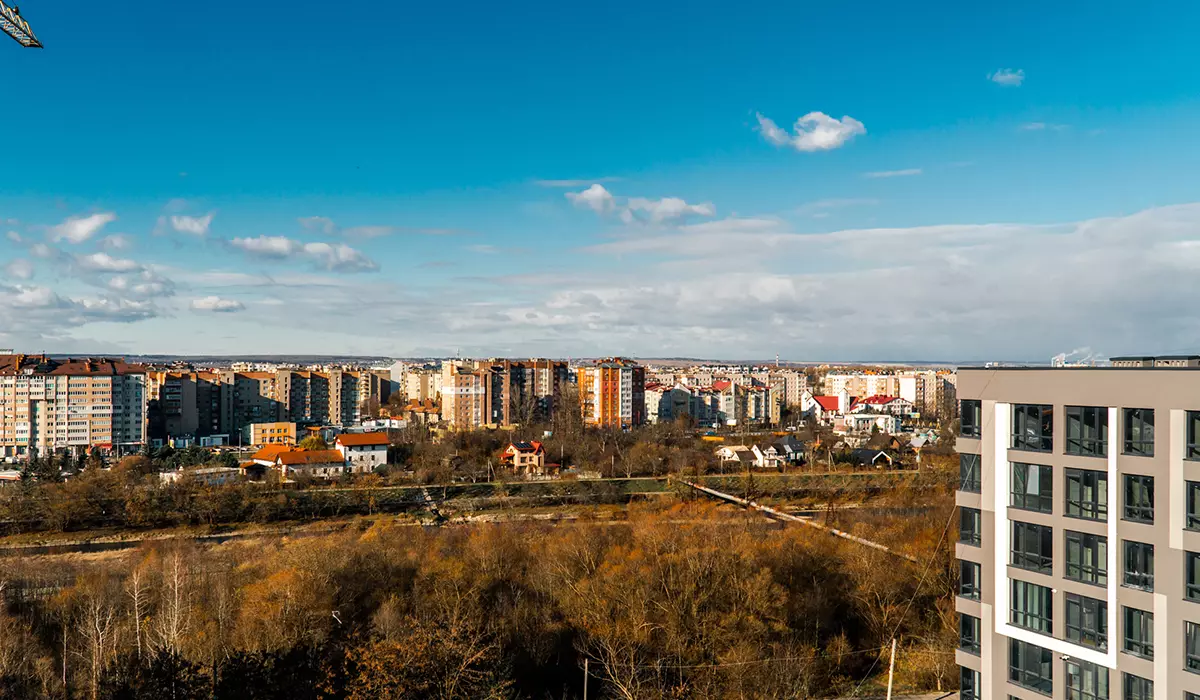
(1036, 423)
(1040, 621)
(1143, 555)
(972, 537)
(1084, 669)
(1096, 573)
(1137, 512)
(970, 428)
(1142, 576)
(1191, 505)
(1096, 509)
(975, 484)
(1137, 418)
(974, 590)
(1040, 561)
(1191, 447)
(1040, 502)
(970, 632)
(1130, 683)
(973, 692)
(1191, 646)
(1094, 418)
(1020, 669)
(1141, 646)
(1077, 631)
(1191, 576)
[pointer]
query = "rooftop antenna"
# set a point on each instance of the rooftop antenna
(14, 25)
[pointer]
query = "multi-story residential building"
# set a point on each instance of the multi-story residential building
(423, 384)
(198, 403)
(790, 383)
(861, 384)
(1079, 537)
(281, 433)
(666, 403)
(612, 393)
(523, 391)
(464, 395)
(49, 404)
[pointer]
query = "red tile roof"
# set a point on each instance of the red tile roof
(827, 403)
(362, 439)
(301, 457)
(880, 400)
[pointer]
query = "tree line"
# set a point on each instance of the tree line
(687, 601)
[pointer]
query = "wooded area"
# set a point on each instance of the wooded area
(686, 601)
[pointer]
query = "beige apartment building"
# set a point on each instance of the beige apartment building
(612, 393)
(281, 433)
(226, 402)
(1079, 533)
(500, 391)
(49, 404)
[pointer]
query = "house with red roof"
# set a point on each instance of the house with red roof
(889, 405)
(525, 457)
(363, 452)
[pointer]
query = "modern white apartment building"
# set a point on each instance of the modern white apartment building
(1079, 538)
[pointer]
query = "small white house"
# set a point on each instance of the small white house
(363, 452)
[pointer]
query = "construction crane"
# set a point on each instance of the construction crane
(14, 25)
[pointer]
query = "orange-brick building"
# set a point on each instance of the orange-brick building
(612, 393)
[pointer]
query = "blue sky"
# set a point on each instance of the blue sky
(401, 178)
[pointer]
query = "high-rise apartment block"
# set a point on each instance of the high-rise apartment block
(501, 391)
(199, 403)
(1079, 533)
(48, 404)
(612, 393)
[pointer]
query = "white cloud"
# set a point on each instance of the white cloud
(907, 172)
(595, 198)
(1008, 77)
(336, 257)
(1042, 126)
(483, 249)
(20, 268)
(217, 304)
(36, 298)
(192, 225)
(821, 207)
(638, 209)
(322, 224)
(103, 262)
(78, 229)
(574, 183)
(116, 241)
(815, 131)
(665, 210)
(13, 236)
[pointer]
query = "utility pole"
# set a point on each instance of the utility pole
(585, 677)
(891, 668)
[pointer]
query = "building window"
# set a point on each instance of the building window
(968, 633)
(1138, 437)
(1192, 450)
(1139, 565)
(1087, 558)
(1139, 498)
(1138, 688)
(969, 579)
(971, 414)
(1191, 646)
(1033, 547)
(968, 471)
(1032, 607)
(1032, 487)
(1030, 666)
(1087, 494)
(968, 684)
(1191, 565)
(969, 526)
(1086, 681)
(1087, 431)
(1139, 633)
(1033, 427)
(1193, 505)
(1087, 621)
